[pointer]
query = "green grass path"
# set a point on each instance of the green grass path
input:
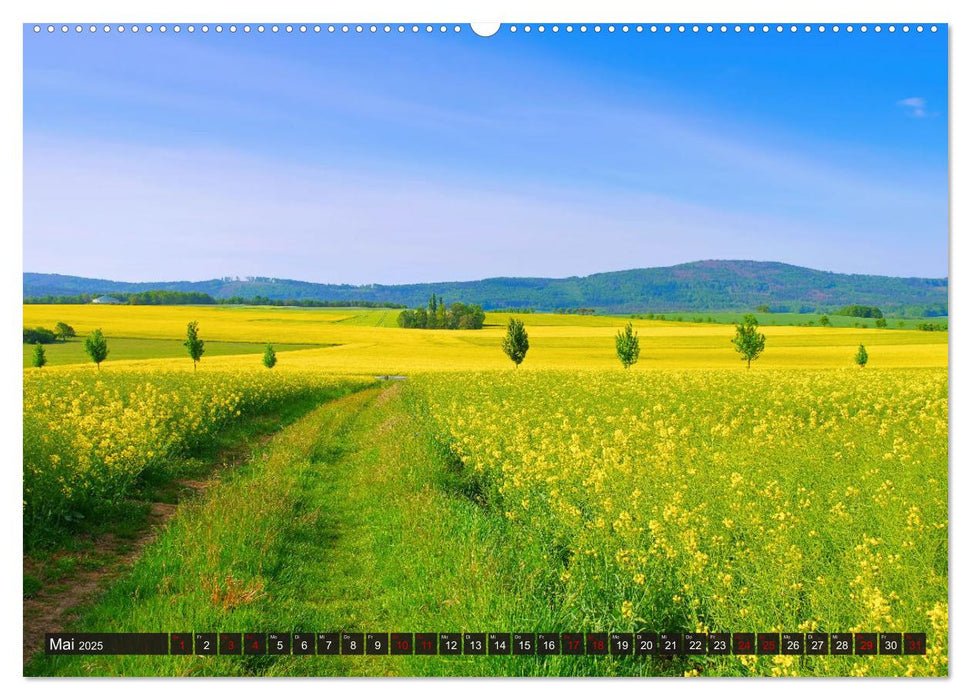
(342, 523)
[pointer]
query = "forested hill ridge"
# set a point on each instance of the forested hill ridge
(709, 285)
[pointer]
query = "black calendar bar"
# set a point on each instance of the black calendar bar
(633, 644)
(125, 643)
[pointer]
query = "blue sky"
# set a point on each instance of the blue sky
(360, 158)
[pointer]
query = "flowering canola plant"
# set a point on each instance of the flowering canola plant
(718, 501)
(89, 436)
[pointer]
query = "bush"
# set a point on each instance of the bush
(39, 335)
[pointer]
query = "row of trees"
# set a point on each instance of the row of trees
(167, 298)
(308, 303)
(824, 320)
(879, 323)
(196, 347)
(581, 311)
(155, 297)
(162, 297)
(456, 316)
(96, 347)
(748, 342)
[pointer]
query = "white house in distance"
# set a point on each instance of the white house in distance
(106, 300)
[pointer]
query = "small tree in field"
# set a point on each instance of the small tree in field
(861, 357)
(269, 357)
(516, 342)
(628, 346)
(62, 331)
(97, 347)
(40, 358)
(748, 341)
(193, 343)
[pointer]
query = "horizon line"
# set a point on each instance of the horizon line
(246, 278)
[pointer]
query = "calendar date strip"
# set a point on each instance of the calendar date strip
(487, 643)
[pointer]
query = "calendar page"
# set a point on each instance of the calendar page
(439, 348)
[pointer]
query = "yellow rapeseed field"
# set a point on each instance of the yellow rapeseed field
(712, 501)
(687, 493)
(88, 435)
(556, 342)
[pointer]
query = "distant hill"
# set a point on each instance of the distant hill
(709, 285)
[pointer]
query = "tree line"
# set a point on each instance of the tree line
(96, 346)
(162, 297)
(580, 311)
(307, 303)
(150, 298)
(749, 343)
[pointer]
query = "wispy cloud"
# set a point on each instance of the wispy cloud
(133, 212)
(916, 105)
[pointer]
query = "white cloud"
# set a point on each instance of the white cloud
(916, 105)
